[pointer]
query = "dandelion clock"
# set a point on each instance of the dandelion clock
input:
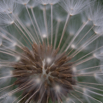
(51, 51)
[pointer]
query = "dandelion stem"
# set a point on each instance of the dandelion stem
(57, 28)
(16, 24)
(86, 44)
(22, 98)
(11, 36)
(76, 98)
(1, 89)
(36, 23)
(32, 23)
(85, 34)
(81, 28)
(90, 83)
(89, 68)
(90, 87)
(89, 53)
(16, 99)
(64, 29)
(82, 38)
(88, 96)
(33, 94)
(82, 61)
(45, 22)
(51, 23)
(23, 33)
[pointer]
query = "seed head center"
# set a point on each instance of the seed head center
(46, 67)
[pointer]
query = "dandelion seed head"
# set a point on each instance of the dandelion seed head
(51, 50)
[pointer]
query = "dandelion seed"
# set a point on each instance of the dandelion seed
(51, 51)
